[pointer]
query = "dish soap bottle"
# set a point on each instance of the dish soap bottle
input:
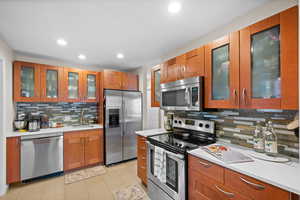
(271, 147)
(259, 138)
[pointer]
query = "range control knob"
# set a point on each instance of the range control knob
(175, 121)
(207, 126)
(179, 122)
(200, 125)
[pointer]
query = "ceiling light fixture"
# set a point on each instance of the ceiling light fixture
(120, 56)
(61, 42)
(174, 7)
(82, 56)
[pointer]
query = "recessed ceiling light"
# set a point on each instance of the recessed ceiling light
(61, 42)
(174, 7)
(82, 56)
(120, 56)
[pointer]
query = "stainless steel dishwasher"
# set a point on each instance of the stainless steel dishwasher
(41, 155)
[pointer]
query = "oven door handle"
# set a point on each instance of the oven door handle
(176, 156)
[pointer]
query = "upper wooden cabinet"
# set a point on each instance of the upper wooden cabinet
(130, 81)
(184, 66)
(112, 79)
(73, 86)
(26, 82)
(194, 64)
(116, 80)
(269, 62)
(91, 90)
(222, 72)
(51, 78)
(155, 86)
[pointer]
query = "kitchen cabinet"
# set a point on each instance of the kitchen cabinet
(163, 72)
(73, 150)
(83, 148)
(112, 79)
(73, 85)
(172, 70)
(130, 82)
(269, 62)
(181, 67)
(51, 79)
(222, 72)
(116, 80)
(13, 149)
(91, 81)
(155, 86)
(212, 182)
(26, 78)
(142, 158)
(194, 64)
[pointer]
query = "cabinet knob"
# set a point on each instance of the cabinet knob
(244, 96)
(235, 96)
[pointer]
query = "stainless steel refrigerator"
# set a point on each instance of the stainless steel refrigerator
(123, 116)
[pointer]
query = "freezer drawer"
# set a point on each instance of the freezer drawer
(41, 156)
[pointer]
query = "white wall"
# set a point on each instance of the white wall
(6, 107)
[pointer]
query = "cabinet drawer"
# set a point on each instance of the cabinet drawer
(202, 187)
(209, 169)
(142, 145)
(253, 188)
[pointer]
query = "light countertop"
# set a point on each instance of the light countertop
(55, 130)
(150, 132)
(282, 175)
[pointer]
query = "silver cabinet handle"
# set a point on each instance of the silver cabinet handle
(235, 96)
(229, 194)
(256, 186)
(244, 96)
(205, 164)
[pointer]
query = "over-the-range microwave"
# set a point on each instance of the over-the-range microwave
(185, 94)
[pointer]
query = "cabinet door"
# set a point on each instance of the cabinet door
(172, 70)
(194, 63)
(73, 150)
(26, 82)
(91, 86)
(93, 147)
(181, 66)
(73, 85)
(142, 158)
(130, 82)
(164, 72)
(269, 62)
(222, 72)
(13, 160)
(112, 79)
(155, 86)
(51, 83)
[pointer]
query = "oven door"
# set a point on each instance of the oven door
(175, 185)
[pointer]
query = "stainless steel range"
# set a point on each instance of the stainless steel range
(188, 134)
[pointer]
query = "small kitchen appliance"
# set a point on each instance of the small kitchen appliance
(188, 134)
(34, 121)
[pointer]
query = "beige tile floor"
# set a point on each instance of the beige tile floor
(96, 188)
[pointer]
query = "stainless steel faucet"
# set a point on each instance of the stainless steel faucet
(82, 116)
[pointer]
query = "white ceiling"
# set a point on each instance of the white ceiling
(141, 29)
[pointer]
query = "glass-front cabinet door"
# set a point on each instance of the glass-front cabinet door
(91, 86)
(155, 86)
(73, 84)
(222, 74)
(268, 63)
(26, 82)
(51, 83)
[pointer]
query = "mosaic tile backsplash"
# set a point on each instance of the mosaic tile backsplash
(237, 126)
(67, 113)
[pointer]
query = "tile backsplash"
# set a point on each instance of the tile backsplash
(237, 126)
(67, 113)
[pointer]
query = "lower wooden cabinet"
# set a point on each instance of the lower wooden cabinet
(208, 181)
(13, 160)
(83, 148)
(142, 159)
